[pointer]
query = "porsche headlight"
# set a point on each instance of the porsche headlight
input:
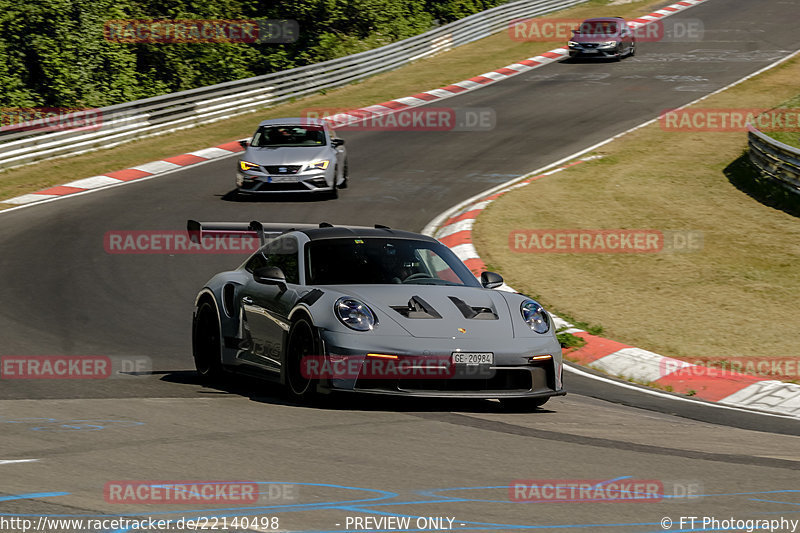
(318, 165)
(354, 314)
(246, 165)
(535, 316)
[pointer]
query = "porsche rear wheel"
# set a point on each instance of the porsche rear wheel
(302, 343)
(206, 343)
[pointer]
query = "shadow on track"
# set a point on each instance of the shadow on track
(262, 391)
(236, 196)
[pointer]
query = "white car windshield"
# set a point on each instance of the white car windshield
(294, 135)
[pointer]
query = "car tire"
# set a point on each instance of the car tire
(334, 188)
(302, 342)
(206, 343)
(523, 405)
(632, 51)
(345, 174)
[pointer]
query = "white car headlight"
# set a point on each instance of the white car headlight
(246, 165)
(608, 43)
(535, 316)
(318, 165)
(354, 314)
(572, 44)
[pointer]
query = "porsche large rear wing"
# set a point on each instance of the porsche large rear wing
(264, 232)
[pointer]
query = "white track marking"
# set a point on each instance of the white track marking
(93, 183)
(120, 184)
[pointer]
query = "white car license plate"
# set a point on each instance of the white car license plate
(473, 358)
(282, 179)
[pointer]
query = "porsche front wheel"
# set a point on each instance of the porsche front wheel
(302, 343)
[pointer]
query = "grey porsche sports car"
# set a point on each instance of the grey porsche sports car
(292, 155)
(320, 308)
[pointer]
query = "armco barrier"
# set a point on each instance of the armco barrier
(162, 114)
(779, 161)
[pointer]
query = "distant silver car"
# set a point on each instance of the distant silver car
(373, 310)
(292, 155)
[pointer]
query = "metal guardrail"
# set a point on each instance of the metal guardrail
(777, 160)
(163, 114)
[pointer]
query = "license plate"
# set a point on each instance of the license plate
(282, 179)
(590, 51)
(473, 358)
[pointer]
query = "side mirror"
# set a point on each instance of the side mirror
(270, 275)
(491, 280)
(244, 144)
(336, 143)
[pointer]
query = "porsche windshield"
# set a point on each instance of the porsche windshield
(345, 261)
(290, 135)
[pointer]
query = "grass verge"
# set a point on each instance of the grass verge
(736, 296)
(792, 138)
(461, 63)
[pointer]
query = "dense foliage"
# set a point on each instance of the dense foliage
(54, 53)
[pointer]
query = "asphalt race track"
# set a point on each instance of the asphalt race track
(64, 295)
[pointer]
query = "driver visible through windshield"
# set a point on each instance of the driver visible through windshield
(290, 135)
(344, 261)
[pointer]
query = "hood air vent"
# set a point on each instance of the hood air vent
(476, 313)
(417, 308)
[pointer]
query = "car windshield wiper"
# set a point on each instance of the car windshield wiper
(432, 281)
(279, 145)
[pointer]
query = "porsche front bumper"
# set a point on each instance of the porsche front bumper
(512, 375)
